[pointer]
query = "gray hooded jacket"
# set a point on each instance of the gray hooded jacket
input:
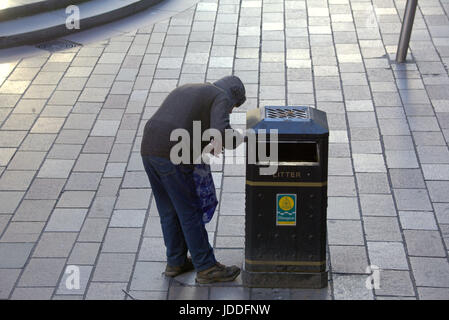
(209, 103)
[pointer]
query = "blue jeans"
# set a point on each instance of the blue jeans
(179, 211)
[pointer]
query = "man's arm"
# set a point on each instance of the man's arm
(219, 119)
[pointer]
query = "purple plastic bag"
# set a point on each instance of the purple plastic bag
(205, 189)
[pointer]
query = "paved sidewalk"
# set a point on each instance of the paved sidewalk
(72, 186)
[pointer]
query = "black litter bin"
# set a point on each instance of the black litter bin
(285, 226)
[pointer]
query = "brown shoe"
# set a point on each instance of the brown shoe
(218, 273)
(176, 271)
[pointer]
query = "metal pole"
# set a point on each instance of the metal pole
(406, 30)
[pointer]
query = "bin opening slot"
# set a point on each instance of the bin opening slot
(295, 153)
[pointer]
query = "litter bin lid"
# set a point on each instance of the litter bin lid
(300, 120)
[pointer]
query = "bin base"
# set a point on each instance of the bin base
(302, 280)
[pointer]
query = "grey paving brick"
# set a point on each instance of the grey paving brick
(425, 293)
(127, 136)
(412, 199)
(423, 124)
(133, 199)
(395, 283)
(14, 87)
(42, 272)
(136, 179)
(106, 291)
(398, 142)
(16, 180)
(149, 276)
(76, 199)
(401, 159)
(147, 295)
(47, 125)
(38, 142)
(433, 154)
(188, 293)
(93, 230)
(62, 151)
(91, 163)
(340, 166)
(102, 207)
(84, 253)
(105, 128)
(229, 293)
(373, 183)
(4, 220)
(109, 187)
(53, 168)
(56, 111)
(345, 232)
(428, 138)
(22, 232)
(438, 190)
(80, 121)
(11, 139)
(93, 94)
(19, 122)
(351, 287)
(128, 218)
(348, 259)
(361, 119)
(55, 245)
(67, 136)
(41, 293)
(121, 240)
(5, 155)
(343, 208)
(368, 163)
(98, 144)
(311, 294)
(407, 178)
(152, 249)
(366, 147)
(153, 227)
(120, 152)
(377, 205)
(341, 186)
(233, 184)
(230, 242)
(114, 267)
(231, 204)
(115, 170)
(45, 189)
(424, 243)
(419, 220)
(430, 272)
(83, 181)
(435, 171)
(387, 255)
(8, 278)
(269, 293)
(382, 229)
(66, 220)
(231, 225)
(9, 100)
(14, 255)
(442, 212)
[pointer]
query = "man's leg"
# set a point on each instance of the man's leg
(190, 214)
(171, 228)
(181, 189)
